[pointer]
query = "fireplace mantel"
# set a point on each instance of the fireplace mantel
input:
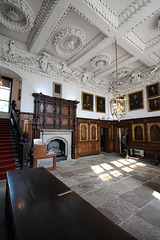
(48, 135)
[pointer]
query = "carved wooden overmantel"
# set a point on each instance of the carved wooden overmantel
(55, 113)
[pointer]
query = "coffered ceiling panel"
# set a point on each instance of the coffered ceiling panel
(71, 36)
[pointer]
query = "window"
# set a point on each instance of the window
(5, 94)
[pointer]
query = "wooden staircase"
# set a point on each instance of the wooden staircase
(7, 158)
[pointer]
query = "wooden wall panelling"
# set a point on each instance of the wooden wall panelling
(91, 145)
(54, 113)
(146, 142)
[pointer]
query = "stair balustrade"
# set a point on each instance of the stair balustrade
(22, 139)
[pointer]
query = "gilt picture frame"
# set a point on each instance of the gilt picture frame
(153, 131)
(153, 90)
(100, 104)
(136, 101)
(153, 104)
(87, 101)
(83, 131)
(138, 132)
(93, 132)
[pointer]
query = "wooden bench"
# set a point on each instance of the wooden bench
(155, 151)
(41, 207)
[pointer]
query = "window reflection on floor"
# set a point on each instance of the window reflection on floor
(109, 171)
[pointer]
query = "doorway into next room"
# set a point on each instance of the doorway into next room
(103, 134)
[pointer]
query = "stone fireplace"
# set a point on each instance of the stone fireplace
(58, 141)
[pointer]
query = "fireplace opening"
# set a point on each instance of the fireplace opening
(57, 146)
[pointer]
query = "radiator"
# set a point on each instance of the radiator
(137, 152)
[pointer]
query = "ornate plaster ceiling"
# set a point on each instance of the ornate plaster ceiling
(81, 33)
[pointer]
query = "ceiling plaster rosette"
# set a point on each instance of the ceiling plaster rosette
(16, 15)
(100, 61)
(122, 72)
(68, 42)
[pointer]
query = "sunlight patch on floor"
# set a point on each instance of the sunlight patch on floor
(156, 195)
(107, 171)
(125, 162)
(117, 164)
(105, 177)
(116, 173)
(131, 160)
(133, 166)
(106, 166)
(140, 164)
(97, 169)
(127, 169)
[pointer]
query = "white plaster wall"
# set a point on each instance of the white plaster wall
(32, 82)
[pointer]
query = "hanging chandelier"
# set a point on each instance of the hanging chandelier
(118, 103)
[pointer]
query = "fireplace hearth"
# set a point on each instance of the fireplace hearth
(57, 146)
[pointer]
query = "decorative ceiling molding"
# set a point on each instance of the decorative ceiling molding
(112, 66)
(55, 28)
(104, 11)
(62, 20)
(145, 19)
(120, 60)
(68, 42)
(122, 72)
(16, 15)
(100, 61)
(14, 53)
(153, 42)
(137, 79)
(45, 10)
(132, 10)
(135, 39)
(89, 46)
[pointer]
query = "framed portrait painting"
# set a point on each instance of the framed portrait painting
(136, 100)
(87, 101)
(153, 104)
(57, 89)
(100, 104)
(153, 90)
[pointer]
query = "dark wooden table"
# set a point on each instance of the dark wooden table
(41, 207)
(155, 151)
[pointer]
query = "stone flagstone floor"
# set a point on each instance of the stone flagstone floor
(126, 191)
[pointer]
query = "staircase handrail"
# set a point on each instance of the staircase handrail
(15, 120)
